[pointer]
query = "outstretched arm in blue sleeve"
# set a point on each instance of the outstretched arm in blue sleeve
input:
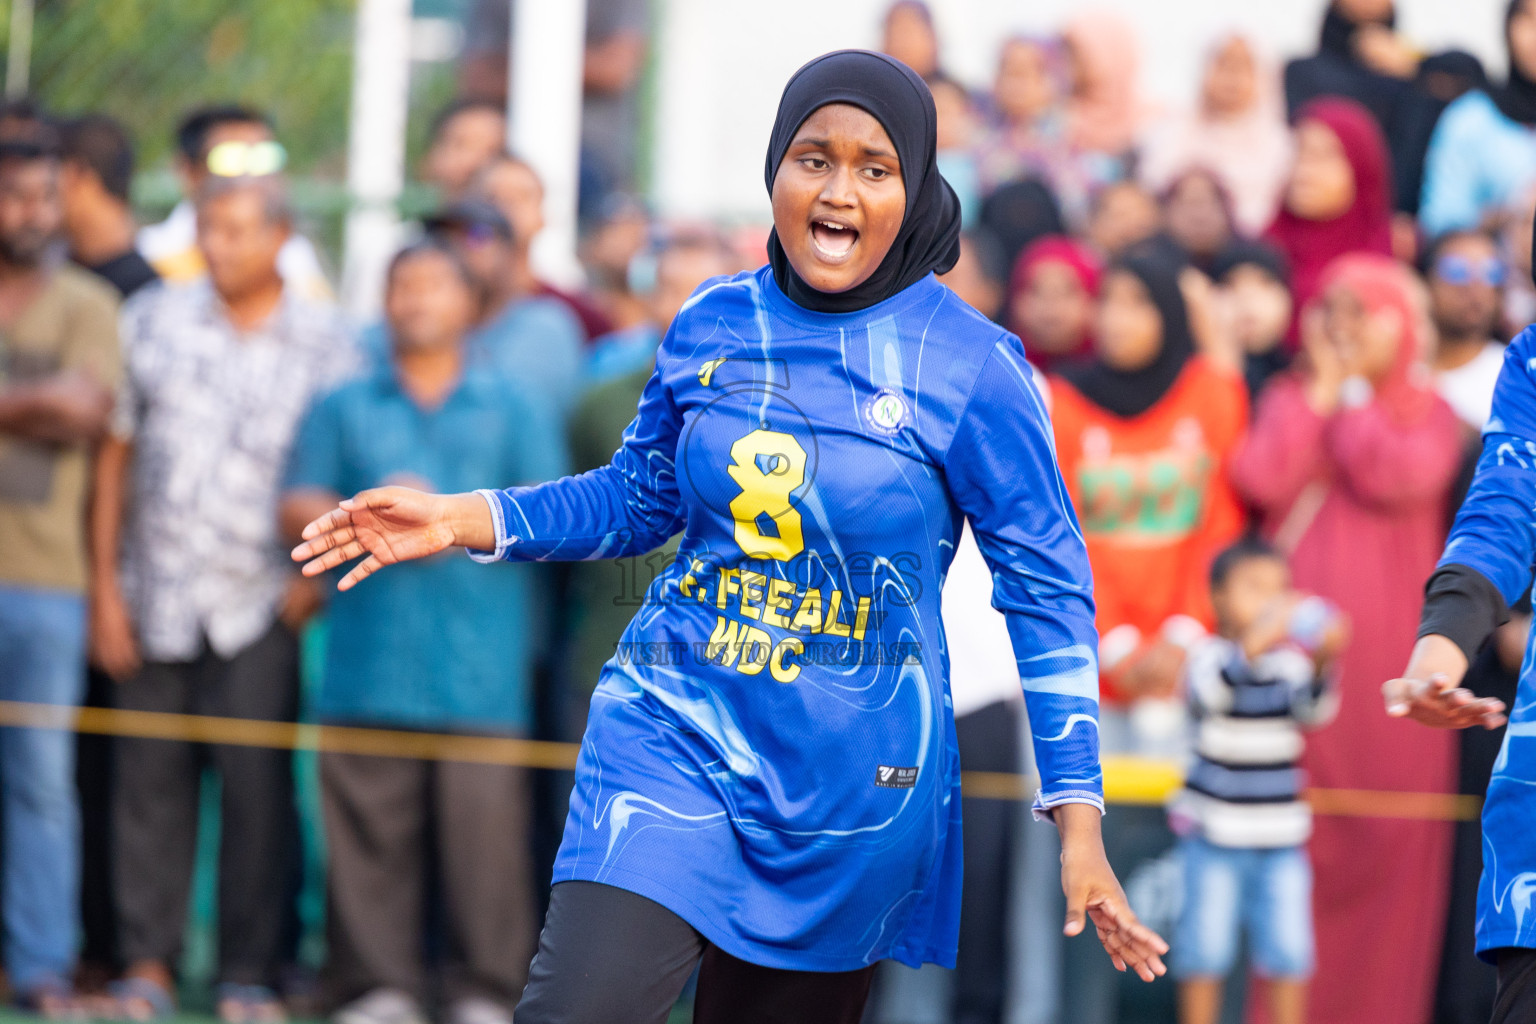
(1493, 534)
(627, 507)
(1487, 562)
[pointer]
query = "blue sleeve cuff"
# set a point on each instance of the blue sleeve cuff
(1042, 808)
(499, 522)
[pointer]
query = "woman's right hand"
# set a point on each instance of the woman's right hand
(1385, 52)
(389, 525)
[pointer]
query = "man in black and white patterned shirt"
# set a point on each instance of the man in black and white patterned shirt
(200, 611)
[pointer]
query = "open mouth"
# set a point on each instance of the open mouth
(833, 240)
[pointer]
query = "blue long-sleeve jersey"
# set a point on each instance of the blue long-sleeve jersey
(771, 752)
(1494, 534)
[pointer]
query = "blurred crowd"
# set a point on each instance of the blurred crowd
(1268, 327)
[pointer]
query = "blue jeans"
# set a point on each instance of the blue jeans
(42, 660)
(1265, 892)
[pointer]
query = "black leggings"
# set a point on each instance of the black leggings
(1516, 1001)
(608, 956)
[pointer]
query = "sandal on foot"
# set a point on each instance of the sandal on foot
(381, 1006)
(141, 1000)
(52, 999)
(249, 1004)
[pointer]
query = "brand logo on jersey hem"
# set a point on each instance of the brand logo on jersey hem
(890, 777)
(886, 411)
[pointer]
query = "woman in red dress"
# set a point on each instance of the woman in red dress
(1349, 463)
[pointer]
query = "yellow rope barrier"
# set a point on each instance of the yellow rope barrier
(245, 732)
(1127, 780)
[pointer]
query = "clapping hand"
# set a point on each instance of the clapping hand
(1326, 367)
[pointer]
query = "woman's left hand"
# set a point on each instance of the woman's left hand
(1093, 893)
(1430, 691)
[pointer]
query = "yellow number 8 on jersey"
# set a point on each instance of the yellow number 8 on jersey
(767, 465)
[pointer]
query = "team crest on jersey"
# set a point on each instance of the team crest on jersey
(886, 411)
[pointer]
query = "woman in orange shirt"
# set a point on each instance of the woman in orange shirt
(1143, 434)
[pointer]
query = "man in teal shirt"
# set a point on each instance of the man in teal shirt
(444, 645)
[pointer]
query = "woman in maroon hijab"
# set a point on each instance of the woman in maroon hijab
(1338, 198)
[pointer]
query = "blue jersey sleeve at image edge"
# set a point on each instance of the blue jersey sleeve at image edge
(1493, 531)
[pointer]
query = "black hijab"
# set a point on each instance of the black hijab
(894, 95)
(1242, 252)
(1129, 393)
(1517, 97)
(1450, 74)
(1021, 212)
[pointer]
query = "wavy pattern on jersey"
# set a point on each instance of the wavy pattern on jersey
(802, 811)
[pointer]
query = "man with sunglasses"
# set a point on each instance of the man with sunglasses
(224, 142)
(535, 341)
(1466, 283)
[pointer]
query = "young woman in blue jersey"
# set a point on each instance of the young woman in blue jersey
(769, 779)
(1486, 568)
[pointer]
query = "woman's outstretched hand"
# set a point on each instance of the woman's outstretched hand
(1430, 691)
(389, 525)
(1093, 893)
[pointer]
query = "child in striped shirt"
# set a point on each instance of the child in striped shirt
(1253, 687)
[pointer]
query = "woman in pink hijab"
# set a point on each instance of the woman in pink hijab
(1237, 131)
(1051, 294)
(1349, 463)
(1103, 112)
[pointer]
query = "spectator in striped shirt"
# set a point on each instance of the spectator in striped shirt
(1254, 686)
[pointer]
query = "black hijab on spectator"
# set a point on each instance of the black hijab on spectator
(1449, 75)
(1406, 115)
(1242, 252)
(1019, 213)
(1339, 32)
(893, 94)
(1517, 97)
(1129, 393)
